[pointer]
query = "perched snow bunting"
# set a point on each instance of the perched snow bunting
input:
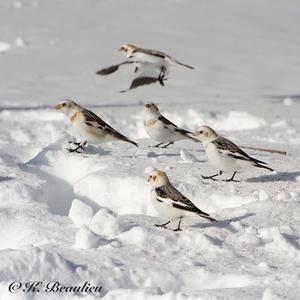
(152, 66)
(224, 154)
(89, 126)
(161, 129)
(169, 202)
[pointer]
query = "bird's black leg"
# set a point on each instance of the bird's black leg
(164, 225)
(79, 146)
(161, 76)
(74, 143)
(168, 144)
(157, 146)
(178, 227)
(231, 179)
(212, 177)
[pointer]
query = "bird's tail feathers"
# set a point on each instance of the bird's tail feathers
(206, 216)
(263, 167)
(183, 65)
(132, 142)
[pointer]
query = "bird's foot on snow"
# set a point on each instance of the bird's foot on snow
(210, 177)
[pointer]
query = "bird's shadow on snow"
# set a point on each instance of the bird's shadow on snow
(280, 176)
(6, 178)
(152, 154)
(224, 224)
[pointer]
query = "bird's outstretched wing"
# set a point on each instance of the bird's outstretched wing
(114, 68)
(93, 120)
(227, 147)
(109, 70)
(172, 197)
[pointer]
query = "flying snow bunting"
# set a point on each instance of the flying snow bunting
(161, 129)
(169, 202)
(151, 66)
(224, 154)
(89, 126)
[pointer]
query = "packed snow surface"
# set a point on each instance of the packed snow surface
(77, 218)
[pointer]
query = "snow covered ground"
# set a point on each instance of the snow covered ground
(88, 217)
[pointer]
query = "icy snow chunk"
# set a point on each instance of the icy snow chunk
(19, 42)
(263, 195)
(4, 47)
(294, 194)
(18, 4)
(280, 242)
(288, 101)
(283, 196)
(105, 223)
(80, 213)
(86, 239)
(269, 295)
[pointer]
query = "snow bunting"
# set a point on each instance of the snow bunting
(89, 126)
(152, 66)
(161, 129)
(224, 154)
(170, 202)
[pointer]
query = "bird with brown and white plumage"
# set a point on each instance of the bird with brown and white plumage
(224, 154)
(91, 128)
(151, 65)
(169, 202)
(161, 129)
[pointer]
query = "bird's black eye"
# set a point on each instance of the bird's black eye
(63, 104)
(151, 176)
(201, 132)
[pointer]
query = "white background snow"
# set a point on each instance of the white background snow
(75, 218)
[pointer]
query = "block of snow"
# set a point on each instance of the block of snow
(283, 196)
(270, 295)
(263, 195)
(4, 47)
(288, 101)
(19, 42)
(80, 213)
(105, 223)
(86, 239)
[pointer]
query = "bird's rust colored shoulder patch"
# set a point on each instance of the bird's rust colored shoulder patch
(149, 122)
(74, 116)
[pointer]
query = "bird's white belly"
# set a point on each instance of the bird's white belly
(168, 211)
(143, 57)
(91, 134)
(161, 134)
(221, 161)
(165, 210)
